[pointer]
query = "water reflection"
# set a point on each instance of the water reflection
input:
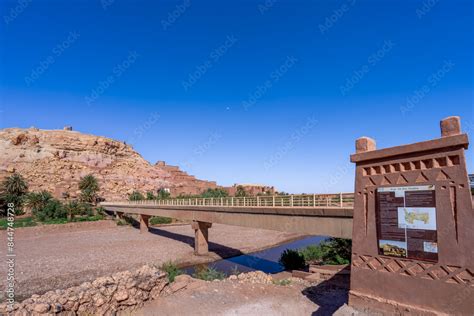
(265, 260)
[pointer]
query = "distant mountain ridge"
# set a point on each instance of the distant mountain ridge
(55, 160)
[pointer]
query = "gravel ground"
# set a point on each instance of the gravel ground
(60, 256)
(243, 299)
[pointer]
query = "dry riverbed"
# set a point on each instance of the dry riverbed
(253, 293)
(60, 256)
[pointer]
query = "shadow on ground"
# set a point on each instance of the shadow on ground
(234, 257)
(220, 250)
(329, 295)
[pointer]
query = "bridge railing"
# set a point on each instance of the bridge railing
(303, 200)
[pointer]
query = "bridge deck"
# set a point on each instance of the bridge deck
(335, 221)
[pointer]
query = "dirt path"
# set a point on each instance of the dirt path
(59, 256)
(243, 299)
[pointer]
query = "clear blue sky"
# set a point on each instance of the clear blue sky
(269, 92)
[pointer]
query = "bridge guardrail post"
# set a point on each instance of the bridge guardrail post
(291, 200)
(340, 198)
(232, 201)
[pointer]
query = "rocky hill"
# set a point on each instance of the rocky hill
(55, 160)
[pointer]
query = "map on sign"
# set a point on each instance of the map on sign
(417, 218)
(406, 222)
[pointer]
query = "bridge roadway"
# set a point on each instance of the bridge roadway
(324, 215)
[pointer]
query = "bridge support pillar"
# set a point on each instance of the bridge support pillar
(201, 237)
(144, 223)
(118, 215)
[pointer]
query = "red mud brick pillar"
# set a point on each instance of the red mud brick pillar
(201, 237)
(413, 228)
(144, 228)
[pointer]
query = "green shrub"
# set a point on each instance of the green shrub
(92, 218)
(312, 253)
(19, 222)
(214, 193)
(283, 282)
(136, 196)
(292, 260)
(337, 251)
(163, 194)
(150, 195)
(156, 220)
(209, 274)
(333, 251)
(240, 191)
(51, 211)
(100, 211)
(86, 209)
(75, 208)
(121, 222)
(55, 221)
(126, 220)
(172, 270)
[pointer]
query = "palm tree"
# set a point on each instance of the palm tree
(13, 190)
(214, 193)
(150, 195)
(163, 194)
(89, 187)
(240, 192)
(15, 185)
(38, 200)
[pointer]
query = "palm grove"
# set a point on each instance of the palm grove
(44, 207)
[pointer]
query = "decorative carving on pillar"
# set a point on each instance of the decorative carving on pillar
(389, 270)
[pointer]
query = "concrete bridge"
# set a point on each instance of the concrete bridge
(431, 273)
(315, 214)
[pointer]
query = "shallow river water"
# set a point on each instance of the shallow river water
(265, 260)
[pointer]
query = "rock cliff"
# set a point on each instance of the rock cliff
(55, 160)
